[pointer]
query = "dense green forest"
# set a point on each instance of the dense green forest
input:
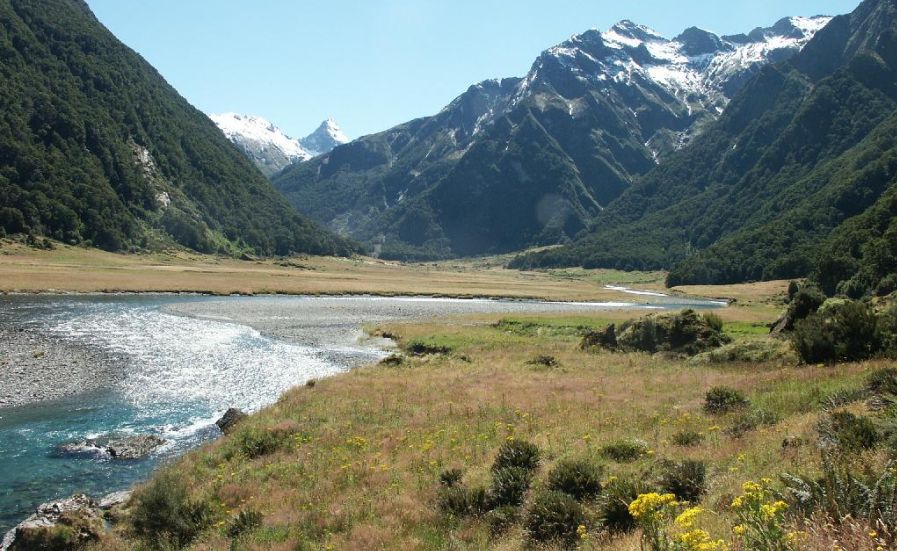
(801, 165)
(96, 148)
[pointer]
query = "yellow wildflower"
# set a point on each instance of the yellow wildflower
(686, 519)
(582, 532)
(739, 529)
(646, 504)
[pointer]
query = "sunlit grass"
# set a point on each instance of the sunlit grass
(359, 464)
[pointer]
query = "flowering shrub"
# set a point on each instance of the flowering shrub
(653, 513)
(761, 519)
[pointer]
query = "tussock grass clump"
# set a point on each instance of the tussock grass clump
(751, 420)
(687, 438)
(544, 360)
(451, 477)
(723, 399)
(882, 381)
(517, 453)
(393, 360)
(165, 516)
(421, 348)
(255, 442)
(684, 479)
(755, 351)
(624, 451)
(578, 478)
(246, 521)
(845, 492)
(554, 517)
(713, 321)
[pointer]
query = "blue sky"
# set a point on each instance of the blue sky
(371, 64)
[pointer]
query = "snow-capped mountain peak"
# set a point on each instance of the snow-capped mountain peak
(270, 148)
(327, 136)
(258, 130)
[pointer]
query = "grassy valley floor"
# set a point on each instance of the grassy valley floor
(74, 269)
(354, 462)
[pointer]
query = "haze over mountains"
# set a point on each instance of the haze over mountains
(529, 161)
(270, 148)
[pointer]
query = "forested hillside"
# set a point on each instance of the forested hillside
(96, 148)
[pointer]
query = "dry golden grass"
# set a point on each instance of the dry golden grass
(359, 469)
(75, 269)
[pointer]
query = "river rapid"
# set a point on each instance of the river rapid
(170, 365)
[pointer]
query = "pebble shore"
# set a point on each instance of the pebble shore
(35, 367)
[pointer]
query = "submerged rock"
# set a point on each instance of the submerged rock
(230, 418)
(116, 446)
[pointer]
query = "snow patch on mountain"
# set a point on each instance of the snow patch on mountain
(256, 129)
(324, 139)
(270, 148)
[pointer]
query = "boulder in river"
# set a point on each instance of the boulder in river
(230, 418)
(117, 446)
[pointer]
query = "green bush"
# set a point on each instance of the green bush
(509, 486)
(420, 348)
(544, 360)
(51, 538)
(850, 432)
(687, 438)
(845, 331)
(624, 451)
(683, 333)
(461, 502)
(613, 505)
(579, 479)
(254, 442)
(451, 477)
(722, 399)
(886, 285)
(554, 517)
(517, 453)
(882, 381)
(750, 420)
(685, 479)
(805, 302)
(164, 515)
(501, 519)
(887, 331)
(793, 288)
(246, 521)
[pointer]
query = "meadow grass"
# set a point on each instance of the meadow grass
(357, 458)
(25, 269)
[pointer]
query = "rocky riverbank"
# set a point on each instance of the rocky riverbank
(35, 367)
